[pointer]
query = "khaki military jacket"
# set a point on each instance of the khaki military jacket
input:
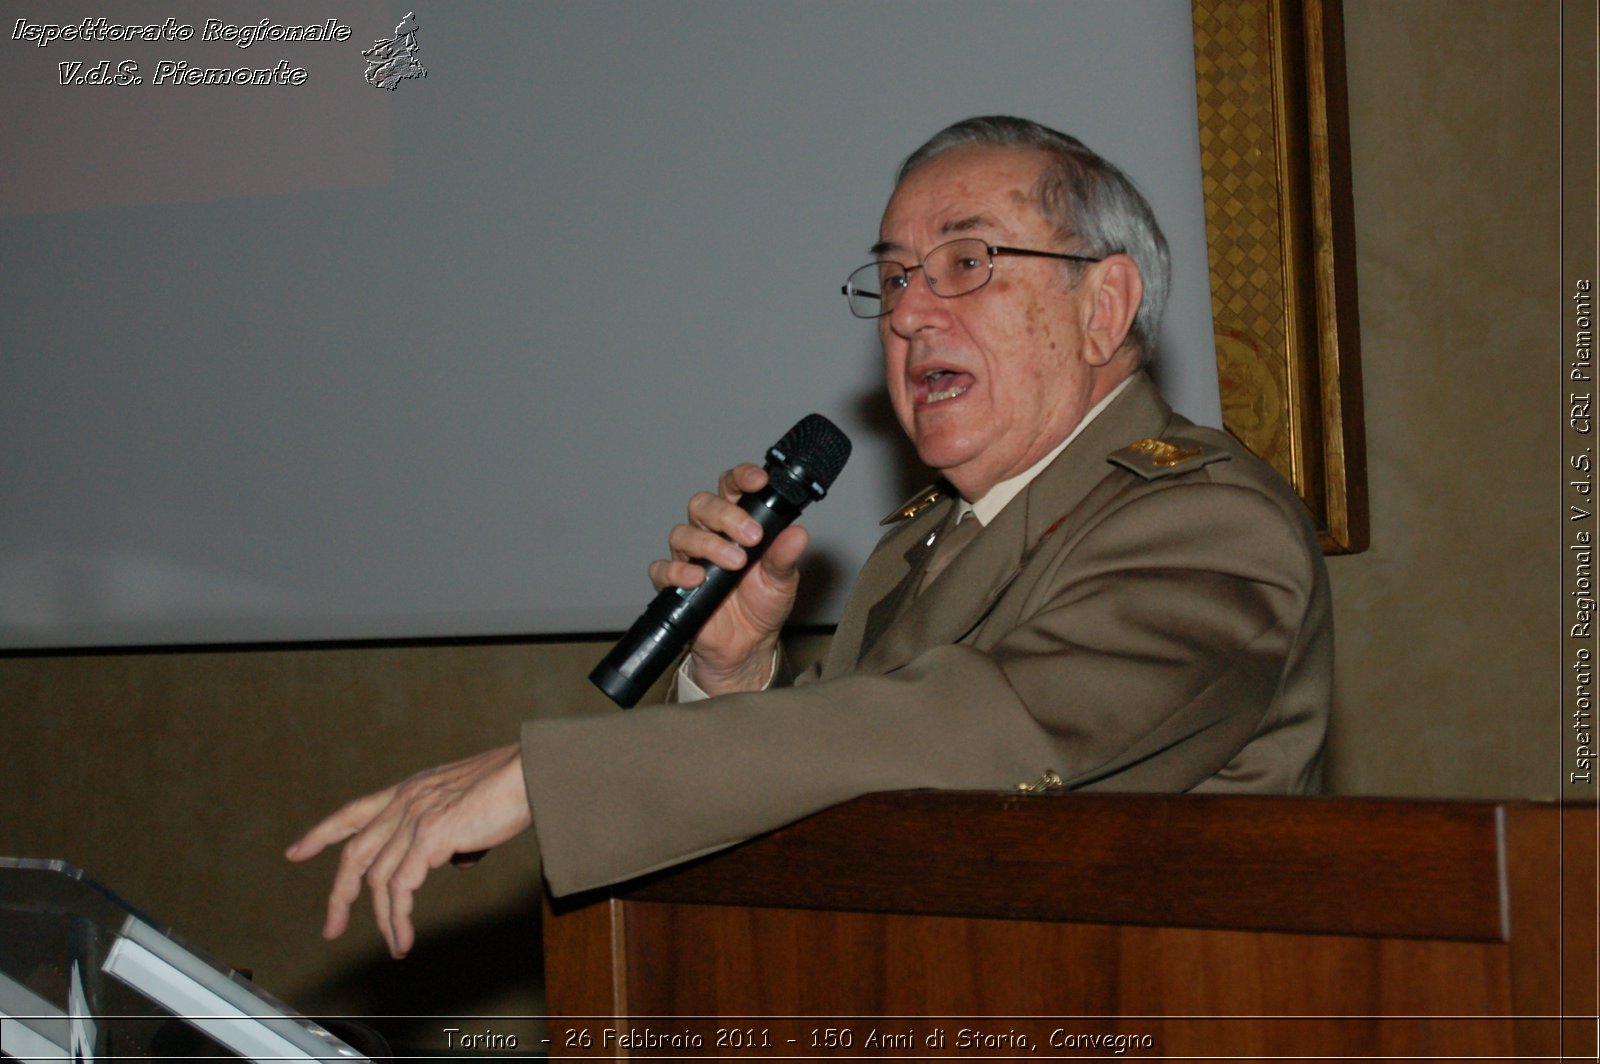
(1151, 614)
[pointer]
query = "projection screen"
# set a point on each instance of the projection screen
(315, 359)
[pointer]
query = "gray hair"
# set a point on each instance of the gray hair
(1083, 196)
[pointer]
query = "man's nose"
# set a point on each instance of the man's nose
(918, 306)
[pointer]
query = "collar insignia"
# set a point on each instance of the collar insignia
(915, 505)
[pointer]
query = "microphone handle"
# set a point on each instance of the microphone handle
(676, 614)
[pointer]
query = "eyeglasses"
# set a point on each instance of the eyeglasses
(952, 269)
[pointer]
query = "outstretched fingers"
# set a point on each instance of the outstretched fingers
(394, 838)
(351, 822)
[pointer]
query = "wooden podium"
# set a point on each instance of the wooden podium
(944, 924)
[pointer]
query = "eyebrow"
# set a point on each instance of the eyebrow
(960, 225)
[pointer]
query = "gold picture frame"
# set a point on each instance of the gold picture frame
(1275, 161)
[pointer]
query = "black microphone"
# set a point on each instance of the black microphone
(801, 468)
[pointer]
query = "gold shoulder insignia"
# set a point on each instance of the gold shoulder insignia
(915, 505)
(1165, 452)
(1151, 458)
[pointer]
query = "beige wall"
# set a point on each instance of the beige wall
(1448, 645)
(180, 777)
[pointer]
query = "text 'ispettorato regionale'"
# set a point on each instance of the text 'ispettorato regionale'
(177, 71)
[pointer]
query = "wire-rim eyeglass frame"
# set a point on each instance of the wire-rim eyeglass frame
(969, 274)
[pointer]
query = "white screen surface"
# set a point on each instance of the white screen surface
(321, 361)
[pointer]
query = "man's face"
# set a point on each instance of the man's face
(985, 384)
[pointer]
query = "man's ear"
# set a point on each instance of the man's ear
(1114, 301)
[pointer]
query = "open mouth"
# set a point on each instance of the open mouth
(941, 385)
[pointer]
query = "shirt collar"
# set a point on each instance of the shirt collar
(995, 499)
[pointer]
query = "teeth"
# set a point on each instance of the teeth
(939, 397)
(934, 377)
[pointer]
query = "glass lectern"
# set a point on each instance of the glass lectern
(84, 976)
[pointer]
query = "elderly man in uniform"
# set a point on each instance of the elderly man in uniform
(1096, 595)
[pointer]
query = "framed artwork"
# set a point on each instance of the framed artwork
(1275, 159)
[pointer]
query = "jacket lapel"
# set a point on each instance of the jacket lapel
(954, 602)
(893, 568)
(915, 562)
(895, 630)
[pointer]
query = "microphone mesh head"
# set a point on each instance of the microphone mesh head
(815, 449)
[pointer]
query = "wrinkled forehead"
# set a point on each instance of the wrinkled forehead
(968, 191)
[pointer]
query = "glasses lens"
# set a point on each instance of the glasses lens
(864, 289)
(959, 267)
